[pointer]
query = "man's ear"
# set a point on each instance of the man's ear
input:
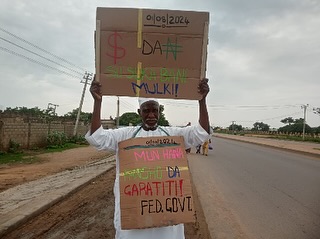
(139, 111)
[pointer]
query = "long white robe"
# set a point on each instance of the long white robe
(108, 140)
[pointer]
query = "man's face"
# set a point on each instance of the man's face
(149, 112)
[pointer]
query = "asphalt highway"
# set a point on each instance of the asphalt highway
(253, 191)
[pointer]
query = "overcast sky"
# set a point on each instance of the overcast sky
(263, 58)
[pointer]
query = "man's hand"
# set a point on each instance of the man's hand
(203, 88)
(95, 90)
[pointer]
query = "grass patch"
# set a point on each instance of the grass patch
(11, 158)
(30, 156)
(294, 138)
(66, 146)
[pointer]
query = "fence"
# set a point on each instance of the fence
(31, 133)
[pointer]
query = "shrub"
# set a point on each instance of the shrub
(14, 147)
(78, 139)
(56, 139)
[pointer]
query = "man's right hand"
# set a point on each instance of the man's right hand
(95, 90)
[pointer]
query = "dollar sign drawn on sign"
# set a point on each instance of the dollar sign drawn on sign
(118, 52)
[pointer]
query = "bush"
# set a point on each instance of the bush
(56, 139)
(78, 139)
(14, 147)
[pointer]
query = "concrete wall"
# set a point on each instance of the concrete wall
(32, 133)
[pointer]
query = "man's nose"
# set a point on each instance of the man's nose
(151, 115)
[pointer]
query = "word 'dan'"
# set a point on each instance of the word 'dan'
(148, 74)
(146, 173)
(153, 155)
(167, 49)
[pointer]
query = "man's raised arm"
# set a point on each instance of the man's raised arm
(203, 89)
(95, 90)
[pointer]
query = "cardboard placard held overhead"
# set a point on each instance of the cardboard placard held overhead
(155, 187)
(150, 52)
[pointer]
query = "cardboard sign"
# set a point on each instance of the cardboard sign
(151, 53)
(155, 188)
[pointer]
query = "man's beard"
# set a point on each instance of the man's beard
(149, 127)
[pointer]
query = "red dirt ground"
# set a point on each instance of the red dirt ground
(88, 213)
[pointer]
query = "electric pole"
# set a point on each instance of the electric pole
(304, 107)
(88, 77)
(233, 132)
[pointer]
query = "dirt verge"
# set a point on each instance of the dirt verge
(87, 213)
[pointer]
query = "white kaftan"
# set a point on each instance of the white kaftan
(108, 140)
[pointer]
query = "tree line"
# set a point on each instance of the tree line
(130, 118)
(291, 126)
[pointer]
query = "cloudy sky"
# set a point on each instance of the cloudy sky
(263, 58)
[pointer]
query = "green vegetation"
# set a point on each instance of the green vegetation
(293, 130)
(30, 156)
(134, 118)
(294, 138)
(56, 142)
(6, 158)
(48, 113)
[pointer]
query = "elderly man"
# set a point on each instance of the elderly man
(149, 112)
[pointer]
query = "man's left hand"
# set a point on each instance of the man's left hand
(203, 87)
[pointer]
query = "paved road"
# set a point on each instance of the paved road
(259, 192)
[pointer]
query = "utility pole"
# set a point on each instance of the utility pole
(118, 109)
(233, 132)
(304, 107)
(88, 77)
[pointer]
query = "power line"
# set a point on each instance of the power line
(37, 62)
(41, 49)
(277, 117)
(41, 56)
(128, 105)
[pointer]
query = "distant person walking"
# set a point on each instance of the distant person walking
(205, 148)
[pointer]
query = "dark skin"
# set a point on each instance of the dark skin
(150, 110)
(149, 113)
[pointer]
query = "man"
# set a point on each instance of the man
(149, 112)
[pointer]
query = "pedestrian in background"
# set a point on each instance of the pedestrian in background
(205, 148)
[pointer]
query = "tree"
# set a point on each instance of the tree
(296, 127)
(35, 111)
(235, 127)
(288, 120)
(129, 118)
(134, 118)
(162, 119)
(260, 126)
(84, 117)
